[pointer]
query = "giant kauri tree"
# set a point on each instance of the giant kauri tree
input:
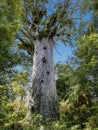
(44, 22)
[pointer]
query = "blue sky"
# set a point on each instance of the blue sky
(61, 53)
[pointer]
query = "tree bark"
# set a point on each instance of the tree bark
(44, 92)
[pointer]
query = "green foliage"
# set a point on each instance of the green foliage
(19, 82)
(10, 11)
(88, 59)
(64, 75)
(37, 123)
(12, 103)
(79, 110)
(10, 14)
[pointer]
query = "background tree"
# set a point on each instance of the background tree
(10, 12)
(80, 103)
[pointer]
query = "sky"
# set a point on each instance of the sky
(61, 53)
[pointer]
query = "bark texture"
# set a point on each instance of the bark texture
(44, 92)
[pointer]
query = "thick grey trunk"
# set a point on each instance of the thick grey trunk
(44, 92)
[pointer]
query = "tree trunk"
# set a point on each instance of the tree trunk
(44, 92)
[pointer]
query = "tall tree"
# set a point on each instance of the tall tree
(43, 24)
(88, 59)
(10, 12)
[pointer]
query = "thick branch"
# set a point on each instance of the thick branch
(26, 46)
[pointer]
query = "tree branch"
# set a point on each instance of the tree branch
(25, 45)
